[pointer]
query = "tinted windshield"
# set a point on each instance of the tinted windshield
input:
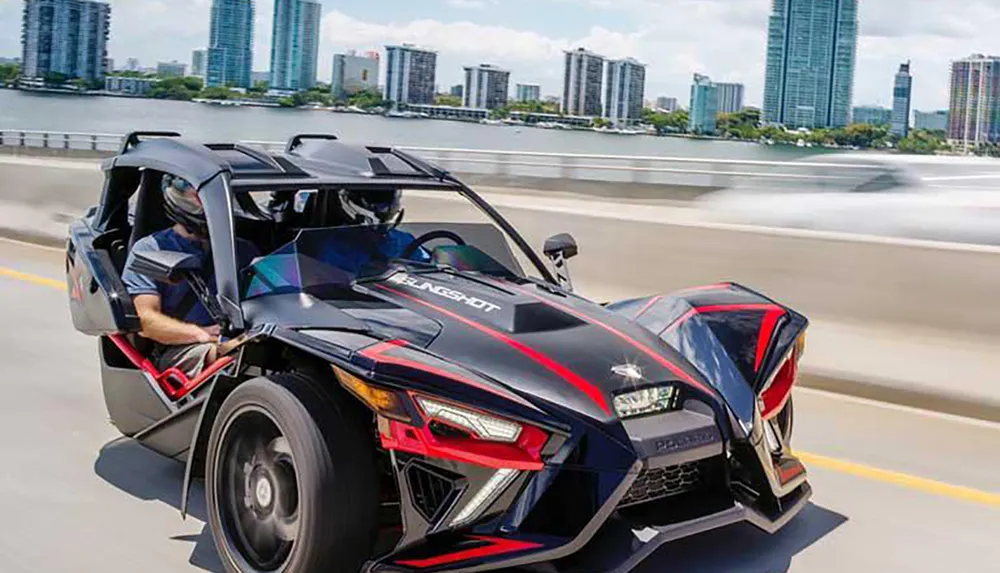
(324, 262)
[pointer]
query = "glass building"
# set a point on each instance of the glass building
(974, 109)
(199, 61)
(410, 74)
(582, 78)
(901, 90)
(486, 87)
(811, 53)
(872, 115)
(704, 106)
(230, 48)
(624, 91)
(529, 92)
(931, 120)
(295, 44)
(66, 37)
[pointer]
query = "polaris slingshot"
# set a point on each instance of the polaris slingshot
(467, 411)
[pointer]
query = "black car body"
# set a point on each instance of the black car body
(511, 421)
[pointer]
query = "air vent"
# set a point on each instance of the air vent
(658, 483)
(432, 489)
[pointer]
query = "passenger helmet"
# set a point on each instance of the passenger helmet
(182, 204)
(371, 206)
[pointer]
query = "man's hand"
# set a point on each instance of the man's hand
(167, 330)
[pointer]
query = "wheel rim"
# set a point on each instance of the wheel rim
(258, 490)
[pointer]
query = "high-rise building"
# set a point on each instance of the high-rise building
(199, 63)
(582, 83)
(974, 110)
(456, 90)
(486, 87)
(704, 105)
(230, 43)
(730, 97)
(811, 53)
(624, 89)
(872, 115)
(901, 90)
(66, 37)
(410, 74)
(295, 44)
(353, 73)
(528, 92)
(172, 69)
(931, 120)
(666, 103)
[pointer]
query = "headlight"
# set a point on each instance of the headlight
(645, 401)
(476, 423)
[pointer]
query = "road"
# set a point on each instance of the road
(897, 490)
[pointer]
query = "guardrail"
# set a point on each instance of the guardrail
(649, 170)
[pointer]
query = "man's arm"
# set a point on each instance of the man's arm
(161, 328)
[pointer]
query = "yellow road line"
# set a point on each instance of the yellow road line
(822, 462)
(11, 273)
(904, 480)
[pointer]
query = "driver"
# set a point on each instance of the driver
(171, 315)
(377, 213)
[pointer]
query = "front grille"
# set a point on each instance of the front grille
(431, 489)
(657, 483)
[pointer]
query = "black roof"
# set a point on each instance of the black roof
(308, 161)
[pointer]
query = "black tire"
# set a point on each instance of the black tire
(331, 523)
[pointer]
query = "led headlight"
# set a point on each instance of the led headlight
(480, 425)
(645, 401)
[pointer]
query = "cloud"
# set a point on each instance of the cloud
(470, 4)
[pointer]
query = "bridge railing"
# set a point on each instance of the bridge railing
(500, 164)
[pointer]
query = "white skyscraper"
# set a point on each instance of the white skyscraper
(624, 91)
(730, 97)
(485, 87)
(353, 73)
(410, 74)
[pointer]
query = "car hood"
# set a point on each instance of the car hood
(538, 342)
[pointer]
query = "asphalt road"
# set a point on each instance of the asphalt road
(895, 490)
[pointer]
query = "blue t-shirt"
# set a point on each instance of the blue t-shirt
(171, 295)
(352, 252)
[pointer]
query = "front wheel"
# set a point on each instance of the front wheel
(290, 480)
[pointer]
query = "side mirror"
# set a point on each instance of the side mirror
(560, 248)
(165, 266)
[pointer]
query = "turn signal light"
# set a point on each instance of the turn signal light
(385, 402)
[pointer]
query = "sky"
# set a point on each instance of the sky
(724, 39)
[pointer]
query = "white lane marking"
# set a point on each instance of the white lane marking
(900, 408)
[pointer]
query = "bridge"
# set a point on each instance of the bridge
(897, 415)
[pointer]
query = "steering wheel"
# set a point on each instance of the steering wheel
(428, 237)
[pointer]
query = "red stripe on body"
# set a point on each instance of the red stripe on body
(497, 546)
(764, 336)
(378, 353)
(566, 374)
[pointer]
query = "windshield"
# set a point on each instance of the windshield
(325, 262)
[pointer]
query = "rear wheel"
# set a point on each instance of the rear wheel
(291, 482)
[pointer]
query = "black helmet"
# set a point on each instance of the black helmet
(371, 207)
(183, 207)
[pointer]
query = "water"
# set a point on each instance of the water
(91, 114)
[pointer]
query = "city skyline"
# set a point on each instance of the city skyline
(530, 42)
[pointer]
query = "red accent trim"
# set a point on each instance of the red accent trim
(722, 308)
(525, 454)
(677, 370)
(777, 394)
(566, 374)
(649, 304)
(497, 546)
(764, 336)
(378, 353)
(174, 383)
(788, 472)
